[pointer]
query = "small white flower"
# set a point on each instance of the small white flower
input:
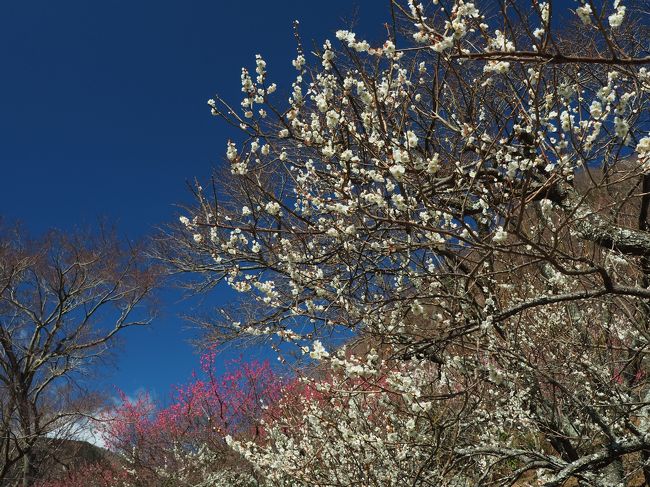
(616, 19)
(621, 127)
(328, 150)
(565, 120)
(344, 35)
(500, 67)
(361, 46)
(239, 168)
(346, 155)
(332, 119)
(231, 152)
(399, 202)
(318, 351)
(643, 147)
(500, 235)
(328, 55)
(411, 139)
(398, 171)
(272, 208)
(299, 62)
(389, 48)
(596, 109)
(546, 206)
(433, 164)
(584, 12)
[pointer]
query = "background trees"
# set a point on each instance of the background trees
(184, 442)
(470, 200)
(63, 300)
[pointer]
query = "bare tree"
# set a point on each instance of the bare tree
(63, 300)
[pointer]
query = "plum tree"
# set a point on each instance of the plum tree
(470, 201)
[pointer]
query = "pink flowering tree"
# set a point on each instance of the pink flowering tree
(470, 200)
(185, 441)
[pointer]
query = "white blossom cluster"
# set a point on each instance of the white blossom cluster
(456, 206)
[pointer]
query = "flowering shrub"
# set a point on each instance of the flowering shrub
(183, 443)
(349, 429)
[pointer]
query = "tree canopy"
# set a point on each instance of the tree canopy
(470, 199)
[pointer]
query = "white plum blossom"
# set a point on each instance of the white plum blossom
(398, 171)
(345, 35)
(328, 55)
(433, 164)
(500, 235)
(411, 139)
(621, 127)
(464, 203)
(272, 208)
(616, 19)
(500, 43)
(318, 351)
(596, 109)
(643, 152)
(643, 147)
(299, 62)
(584, 12)
(231, 152)
(500, 67)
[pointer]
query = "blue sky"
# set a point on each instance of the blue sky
(103, 115)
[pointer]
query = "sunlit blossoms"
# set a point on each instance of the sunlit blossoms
(449, 229)
(584, 12)
(616, 19)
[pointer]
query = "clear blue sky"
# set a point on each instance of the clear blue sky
(103, 115)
